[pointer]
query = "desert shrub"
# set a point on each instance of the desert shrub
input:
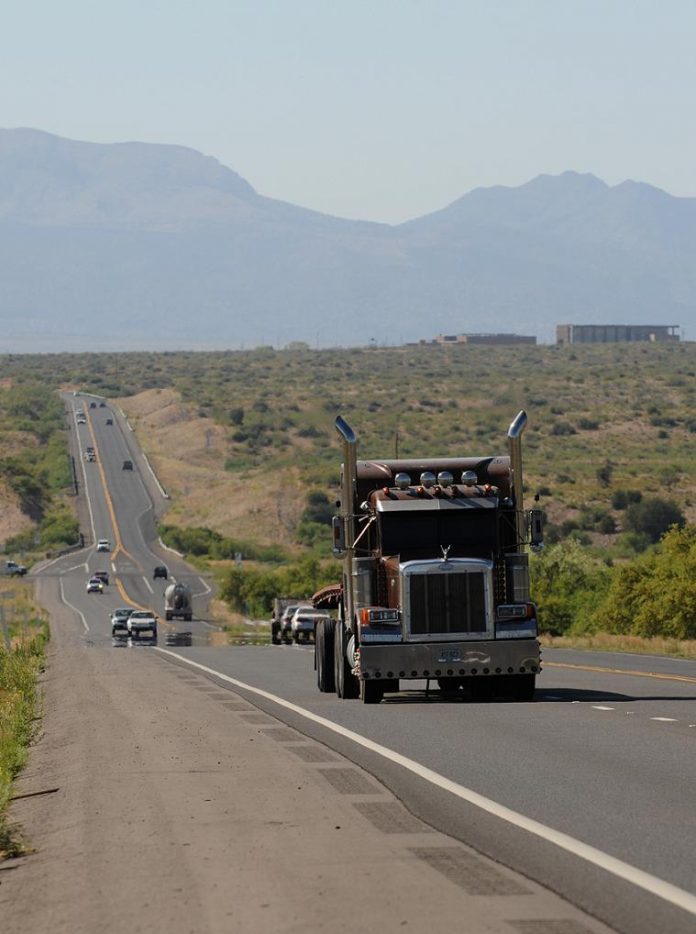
(563, 428)
(621, 499)
(652, 517)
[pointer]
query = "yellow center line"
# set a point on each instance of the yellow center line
(107, 496)
(621, 671)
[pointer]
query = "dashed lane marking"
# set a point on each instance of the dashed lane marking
(599, 707)
(665, 719)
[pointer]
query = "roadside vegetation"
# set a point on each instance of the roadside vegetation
(35, 469)
(23, 637)
(244, 443)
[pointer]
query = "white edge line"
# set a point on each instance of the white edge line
(208, 589)
(638, 877)
(72, 607)
(173, 550)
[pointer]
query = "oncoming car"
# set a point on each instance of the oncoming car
(94, 585)
(103, 544)
(141, 622)
(160, 571)
(303, 623)
(284, 631)
(103, 576)
(119, 621)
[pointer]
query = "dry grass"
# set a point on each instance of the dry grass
(188, 453)
(604, 642)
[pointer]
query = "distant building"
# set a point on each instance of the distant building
(482, 339)
(615, 333)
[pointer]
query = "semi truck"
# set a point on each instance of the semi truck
(177, 602)
(435, 582)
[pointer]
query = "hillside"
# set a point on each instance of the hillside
(141, 246)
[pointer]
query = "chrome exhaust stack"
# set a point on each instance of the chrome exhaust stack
(349, 484)
(517, 426)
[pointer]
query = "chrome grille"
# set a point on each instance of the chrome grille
(447, 603)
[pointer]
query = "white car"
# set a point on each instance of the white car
(103, 544)
(140, 622)
(95, 585)
(304, 621)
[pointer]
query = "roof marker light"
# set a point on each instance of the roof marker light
(402, 481)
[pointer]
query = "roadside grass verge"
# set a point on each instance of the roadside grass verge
(638, 645)
(22, 648)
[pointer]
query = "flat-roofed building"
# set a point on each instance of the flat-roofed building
(615, 333)
(484, 339)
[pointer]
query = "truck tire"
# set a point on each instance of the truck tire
(347, 686)
(275, 632)
(371, 692)
(324, 655)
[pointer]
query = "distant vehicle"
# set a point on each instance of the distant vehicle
(160, 571)
(119, 621)
(103, 576)
(93, 405)
(90, 456)
(13, 569)
(109, 421)
(284, 631)
(140, 622)
(103, 544)
(177, 602)
(94, 585)
(81, 420)
(279, 606)
(102, 405)
(303, 623)
(128, 465)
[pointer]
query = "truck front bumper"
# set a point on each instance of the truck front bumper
(449, 659)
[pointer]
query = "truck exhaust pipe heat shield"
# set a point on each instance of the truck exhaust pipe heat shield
(517, 426)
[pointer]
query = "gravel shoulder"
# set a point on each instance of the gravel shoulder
(180, 807)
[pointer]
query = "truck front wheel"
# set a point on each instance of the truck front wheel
(324, 655)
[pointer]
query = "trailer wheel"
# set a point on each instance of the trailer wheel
(324, 655)
(347, 685)
(371, 692)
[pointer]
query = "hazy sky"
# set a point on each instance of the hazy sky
(375, 109)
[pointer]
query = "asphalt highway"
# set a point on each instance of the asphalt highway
(588, 790)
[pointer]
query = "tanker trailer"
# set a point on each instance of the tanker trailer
(177, 602)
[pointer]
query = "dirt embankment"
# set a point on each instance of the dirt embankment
(188, 453)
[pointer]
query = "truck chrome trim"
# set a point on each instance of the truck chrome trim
(476, 659)
(422, 575)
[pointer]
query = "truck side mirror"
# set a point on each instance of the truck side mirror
(536, 529)
(339, 537)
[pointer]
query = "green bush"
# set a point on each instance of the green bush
(567, 585)
(655, 594)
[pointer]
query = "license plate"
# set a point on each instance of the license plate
(450, 655)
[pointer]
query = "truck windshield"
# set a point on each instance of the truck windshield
(470, 533)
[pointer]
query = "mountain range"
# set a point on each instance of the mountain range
(144, 246)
